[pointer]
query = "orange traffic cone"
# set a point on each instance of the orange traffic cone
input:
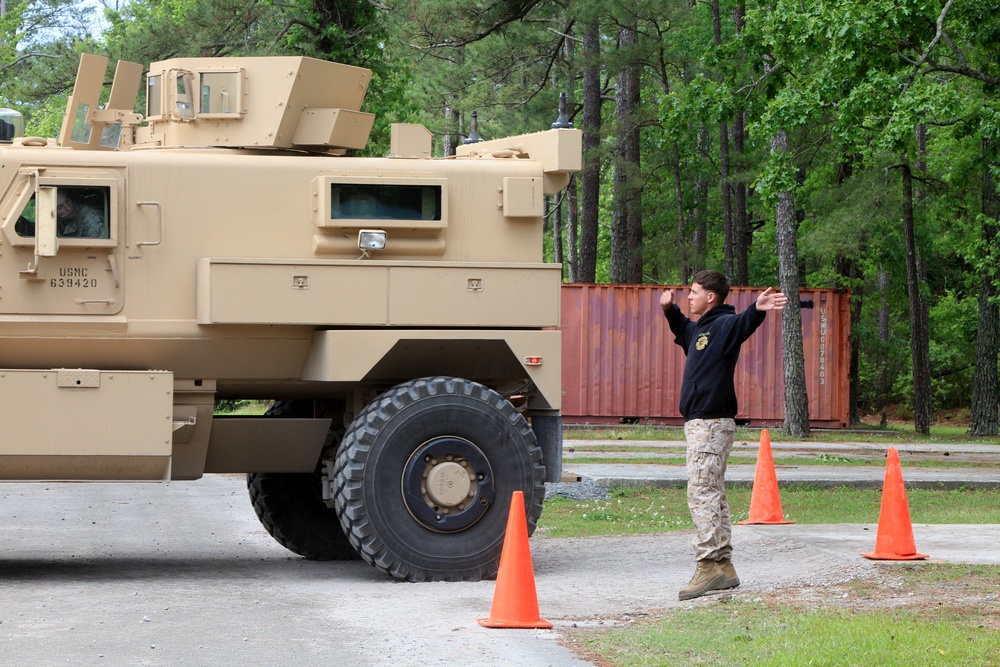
(515, 602)
(765, 501)
(895, 532)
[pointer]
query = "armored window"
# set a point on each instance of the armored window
(418, 204)
(81, 128)
(221, 94)
(154, 95)
(82, 212)
(364, 201)
(183, 102)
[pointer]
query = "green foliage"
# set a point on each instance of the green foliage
(847, 81)
(484, 58)
(953, 349)
(40, 43)
(240, 407)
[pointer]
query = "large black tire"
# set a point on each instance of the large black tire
(290, 506)
(422, 436)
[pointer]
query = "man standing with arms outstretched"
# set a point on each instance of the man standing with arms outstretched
(708, 404)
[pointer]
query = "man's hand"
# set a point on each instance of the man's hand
(767, 300)
(666, 299)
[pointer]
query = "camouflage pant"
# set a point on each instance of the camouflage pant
(709, 442)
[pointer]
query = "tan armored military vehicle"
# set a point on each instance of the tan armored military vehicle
(397, 309)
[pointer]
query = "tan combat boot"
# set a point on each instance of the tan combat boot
(707, 577)
(732, 579)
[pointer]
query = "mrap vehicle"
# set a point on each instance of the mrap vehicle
(397, 310)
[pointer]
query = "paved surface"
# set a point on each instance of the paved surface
(974, 544)
(865, 476)
(183, 574)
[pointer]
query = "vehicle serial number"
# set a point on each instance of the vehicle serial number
(73, 282)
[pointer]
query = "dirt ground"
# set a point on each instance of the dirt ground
(897, 415)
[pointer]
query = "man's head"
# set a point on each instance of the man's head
(65, 206)
(708, 290)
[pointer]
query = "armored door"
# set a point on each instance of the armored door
(62, 241)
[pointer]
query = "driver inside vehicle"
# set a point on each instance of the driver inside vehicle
(74, 219)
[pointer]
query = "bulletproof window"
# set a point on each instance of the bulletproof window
(367, 201)
(222, 94)
(183, 103)
(82, 212)
(81, 128)
(154, 95)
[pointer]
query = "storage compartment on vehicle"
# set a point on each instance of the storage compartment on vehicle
(82, 424)
(438, 294)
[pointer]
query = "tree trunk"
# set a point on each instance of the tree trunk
(921, 165)
(698, 214)
(728, 236)
(591, 173)
(882, 390)
(626, 218)
(857, 300)
(919, 339)
(985, 405)
(741, 217)
(728, 232)
(556, 215)
(682, 238)
(572, 231)
(850, 272)
(448, 147)
(796, 400)
(985, 401)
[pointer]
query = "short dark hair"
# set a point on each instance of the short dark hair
(713, 281)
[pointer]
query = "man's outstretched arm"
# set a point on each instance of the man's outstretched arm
(675, 318)
(666, 299)
(767, 300)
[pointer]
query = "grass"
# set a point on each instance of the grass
(818, 459)
(934, 614)
(648, 510)
(892, 434)
(765, 633)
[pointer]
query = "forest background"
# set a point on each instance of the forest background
(841, 144)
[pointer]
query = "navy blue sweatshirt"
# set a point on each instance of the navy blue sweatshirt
(712, 347)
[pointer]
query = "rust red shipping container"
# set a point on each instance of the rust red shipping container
(620, 360)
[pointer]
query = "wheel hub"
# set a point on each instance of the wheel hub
(448, 484)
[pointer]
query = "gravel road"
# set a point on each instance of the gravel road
(183, 574)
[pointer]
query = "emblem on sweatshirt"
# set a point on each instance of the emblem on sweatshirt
(702, 342)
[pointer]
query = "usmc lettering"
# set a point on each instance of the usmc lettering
(73, 276)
